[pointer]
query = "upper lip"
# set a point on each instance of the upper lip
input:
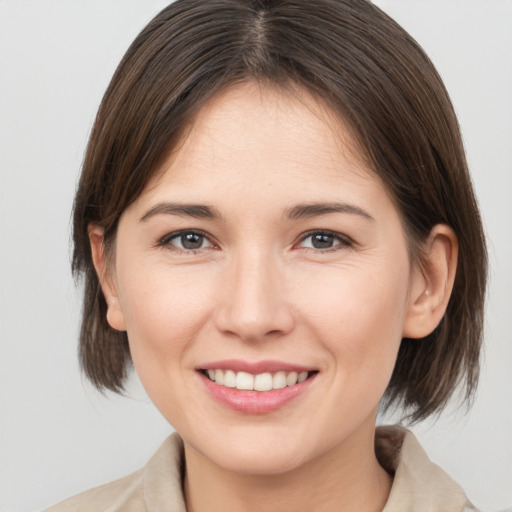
(255, 367)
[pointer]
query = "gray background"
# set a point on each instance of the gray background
(58, 436)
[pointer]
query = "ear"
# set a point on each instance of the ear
(115, 316)
(432, 283)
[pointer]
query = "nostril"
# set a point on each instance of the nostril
(257, 323)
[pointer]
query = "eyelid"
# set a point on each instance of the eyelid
(166, 240)
(344, 240)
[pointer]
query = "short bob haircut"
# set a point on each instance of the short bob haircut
(380, 83)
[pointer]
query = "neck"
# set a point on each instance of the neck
(347, 478)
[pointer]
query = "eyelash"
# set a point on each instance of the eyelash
(343, 241)
(167, 239)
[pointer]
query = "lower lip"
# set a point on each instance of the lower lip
(255, 402)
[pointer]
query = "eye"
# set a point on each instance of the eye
(190, 240)
(324, 240)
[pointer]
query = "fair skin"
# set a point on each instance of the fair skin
(264, 245)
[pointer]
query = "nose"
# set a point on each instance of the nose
(255, 301)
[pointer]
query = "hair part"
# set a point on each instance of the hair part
(372, 74)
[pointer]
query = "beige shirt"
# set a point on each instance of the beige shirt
(419, 485)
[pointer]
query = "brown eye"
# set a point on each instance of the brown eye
(187, 241)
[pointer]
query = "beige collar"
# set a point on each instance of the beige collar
(419, 485)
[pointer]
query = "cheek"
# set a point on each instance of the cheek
(163, 311)
(359, 315)
(164, 314)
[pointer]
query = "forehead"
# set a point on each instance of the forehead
(254, 137)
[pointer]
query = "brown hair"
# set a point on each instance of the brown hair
(369, 71)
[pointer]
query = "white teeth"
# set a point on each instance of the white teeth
(291, 378)
(260, 382)
(302, 376)
(219, 377)
(263, 382)
(230, 379)
(279, 380)
(244, 381)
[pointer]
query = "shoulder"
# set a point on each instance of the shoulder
(127, 491)
(157, 482)
(418, 483)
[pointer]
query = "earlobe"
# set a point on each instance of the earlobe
(115, 315)
(432, 283)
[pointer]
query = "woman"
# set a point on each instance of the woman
(276, 225)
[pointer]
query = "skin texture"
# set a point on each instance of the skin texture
(257, 289)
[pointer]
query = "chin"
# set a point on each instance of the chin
(258, 461)
(253, 451)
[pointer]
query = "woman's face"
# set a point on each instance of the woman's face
(263, 250)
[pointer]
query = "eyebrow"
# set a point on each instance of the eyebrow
(196, 211)
(302, 211)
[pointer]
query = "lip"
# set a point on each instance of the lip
(255, 402)
(271, 366)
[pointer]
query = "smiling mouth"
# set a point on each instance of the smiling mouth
(266, 381)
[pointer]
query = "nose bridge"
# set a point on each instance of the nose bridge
(256, 304)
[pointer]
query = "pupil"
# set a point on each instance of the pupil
(192, 241)
(322, 241)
